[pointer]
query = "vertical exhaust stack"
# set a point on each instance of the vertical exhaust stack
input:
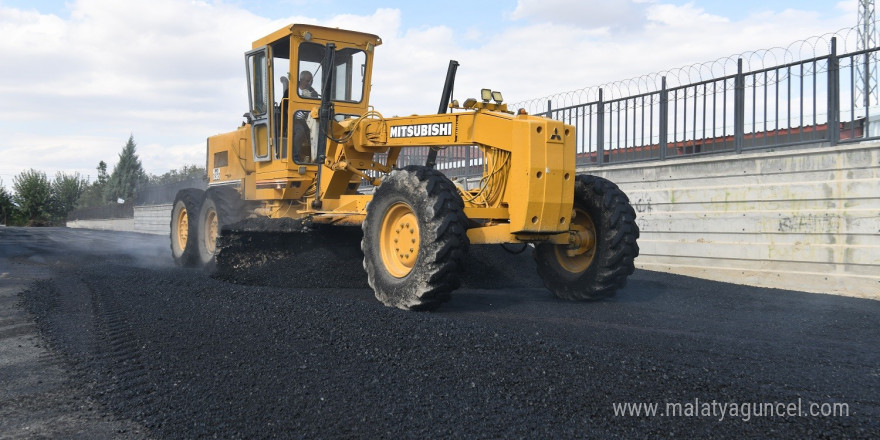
(444, 105)
(325, 114)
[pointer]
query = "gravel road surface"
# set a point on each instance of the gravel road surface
(127, 345)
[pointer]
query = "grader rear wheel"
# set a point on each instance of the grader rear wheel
(414, 239)
(220, 208)
(208, 231)
(184, 219)
(602, 245)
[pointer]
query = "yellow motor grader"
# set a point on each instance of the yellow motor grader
(311, 139)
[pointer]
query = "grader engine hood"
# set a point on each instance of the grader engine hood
(546, 171)
(529, 162)
(540, 185)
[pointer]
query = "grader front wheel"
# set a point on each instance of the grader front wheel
(579, 255)
(414, 239)
(602, 244)
(399, 239)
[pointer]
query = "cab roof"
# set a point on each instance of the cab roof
(319, 33)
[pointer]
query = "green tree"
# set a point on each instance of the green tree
(93, 195)
(102, 173)
(66, 190)
(127, 176)
(186, 172)
(32, 194)
(7, 208)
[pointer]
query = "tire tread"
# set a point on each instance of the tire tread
(437, 271)
(617, 246)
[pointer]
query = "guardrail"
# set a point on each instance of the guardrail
(784, 105)
(827, 98)
(109, 211)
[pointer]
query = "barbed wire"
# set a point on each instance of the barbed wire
(720, 70)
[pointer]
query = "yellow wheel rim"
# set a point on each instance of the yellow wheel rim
(399, 240)
(577, 256)
(182, 229)
(211, 231)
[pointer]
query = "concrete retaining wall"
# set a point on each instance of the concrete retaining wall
(148, 219)
(805, 219)
(116, 224)
(153, 219)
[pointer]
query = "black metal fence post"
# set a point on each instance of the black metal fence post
(600, 130)
(549, 108)
(834, 95)
(867, 86)
(467, 164)
(739, 107)
(664, 119)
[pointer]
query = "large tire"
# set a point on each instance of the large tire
(220, 208)
(419, 207)
(184, 229)
(208, 232)
(605, 224)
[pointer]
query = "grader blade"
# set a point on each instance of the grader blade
(288, 252)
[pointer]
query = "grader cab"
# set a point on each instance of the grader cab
(310, 139)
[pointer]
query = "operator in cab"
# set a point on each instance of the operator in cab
(305, 85)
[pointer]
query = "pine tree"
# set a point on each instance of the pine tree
(93, 195)
(127, 176)
(102, 173)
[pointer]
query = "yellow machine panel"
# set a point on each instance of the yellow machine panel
(312, 149)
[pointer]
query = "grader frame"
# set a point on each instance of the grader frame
(304, 155)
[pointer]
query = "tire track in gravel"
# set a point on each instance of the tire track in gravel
(207, 358)
(240, 361)
(122, 355)
(63, 404)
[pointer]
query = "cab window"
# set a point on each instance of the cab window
(349, 71)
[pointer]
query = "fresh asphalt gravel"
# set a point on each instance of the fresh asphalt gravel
(277, 353)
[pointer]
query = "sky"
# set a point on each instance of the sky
(79, 77)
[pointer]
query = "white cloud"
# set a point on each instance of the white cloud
(589, 14)
(850, 6)
(673, 36)
(170, 72)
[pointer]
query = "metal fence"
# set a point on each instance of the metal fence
(722, 106)
(818, 99)
(164, 194)
(110, 211)
(146, 195)
(456, 161)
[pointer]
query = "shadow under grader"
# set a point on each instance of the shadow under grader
(331, 257)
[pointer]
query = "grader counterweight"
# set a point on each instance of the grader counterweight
(310, 139)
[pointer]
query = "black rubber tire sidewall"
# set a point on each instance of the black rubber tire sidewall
(442, 240)
(190, 199)
(616, 248)
(206, 258)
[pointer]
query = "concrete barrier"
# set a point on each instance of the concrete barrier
(148, 219)
(115, 224)
(805, 219)
(153, 219)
